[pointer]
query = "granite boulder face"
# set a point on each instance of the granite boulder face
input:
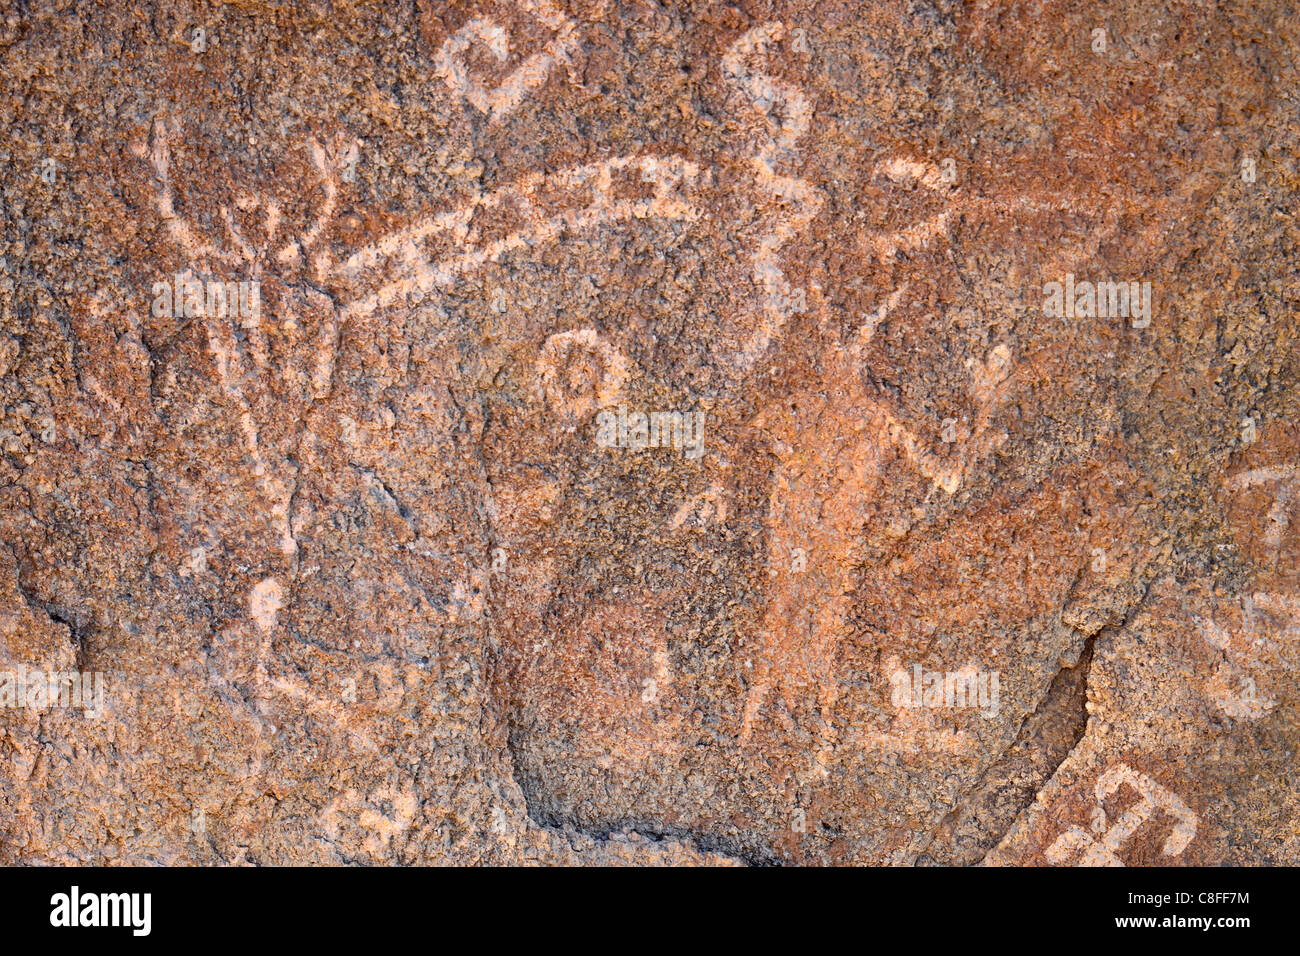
(568, 431)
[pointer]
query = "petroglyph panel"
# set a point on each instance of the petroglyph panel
(563, 431)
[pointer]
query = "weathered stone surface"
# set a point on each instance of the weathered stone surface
(370, 573)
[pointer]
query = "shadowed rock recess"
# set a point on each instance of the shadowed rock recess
(584, 431)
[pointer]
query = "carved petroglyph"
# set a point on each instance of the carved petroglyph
(801, 514)
(817, 503)
(1285, 481)
(1266, 642)
(579, 372)
(786, 106)
(1102, 846)
(508, 95)
(264, 604)
(867, 330)
(388, 813)
(707, 507)
(201, 252)
(908, 174)
(589, 195)
(239, 346)
(1231, 687)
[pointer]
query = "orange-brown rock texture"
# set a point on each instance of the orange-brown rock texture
(586, 431)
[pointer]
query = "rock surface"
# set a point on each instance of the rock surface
(371, 563)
